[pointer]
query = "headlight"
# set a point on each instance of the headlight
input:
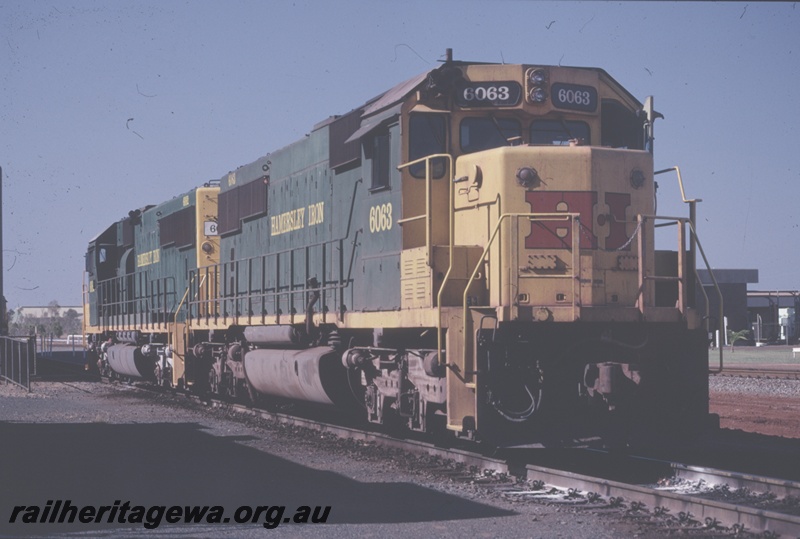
(637, 178)
(537, 95)
(537, 77)
(536, 85)
(528, 178)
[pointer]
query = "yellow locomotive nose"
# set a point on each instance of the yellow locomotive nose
(569, 246)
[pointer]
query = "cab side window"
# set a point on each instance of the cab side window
(620, 127)
(427, 135)
(381, 159)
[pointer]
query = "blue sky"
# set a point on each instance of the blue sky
(109, 106)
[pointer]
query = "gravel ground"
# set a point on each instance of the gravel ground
(758, 405)
(97, 443)
(754, 386)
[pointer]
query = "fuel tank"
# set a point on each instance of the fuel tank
(273, 336)
(312, 375)
(127, 360)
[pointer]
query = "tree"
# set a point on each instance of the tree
(6, 324)
(733, 336)
(54, 308)
(71, 323)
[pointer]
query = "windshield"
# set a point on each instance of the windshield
(484, 133)
(559, 132)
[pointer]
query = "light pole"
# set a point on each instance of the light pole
(3, 310)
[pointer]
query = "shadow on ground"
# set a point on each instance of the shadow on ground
(180, 464)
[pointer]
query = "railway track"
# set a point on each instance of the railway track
(669, 494)
(785, 372)
(673, 494)
(692, 498)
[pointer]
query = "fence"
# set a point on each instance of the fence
(49, 346)
(18, 360)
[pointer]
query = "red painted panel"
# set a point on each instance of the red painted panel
(558, 234)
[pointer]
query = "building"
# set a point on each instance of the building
(773, 315)
(67, 319)
(46, 311)
(733, 287)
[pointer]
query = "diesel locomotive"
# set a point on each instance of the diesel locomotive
(471, 251)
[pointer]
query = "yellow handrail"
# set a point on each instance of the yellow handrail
(719, 294)
(680, 184)
(532, 216)
(428, 234)
(693, 231)
(177, 310)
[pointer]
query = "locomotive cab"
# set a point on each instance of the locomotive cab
(545, 291)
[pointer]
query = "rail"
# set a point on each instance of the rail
(18, 360)
(516, 477)
(784, 372)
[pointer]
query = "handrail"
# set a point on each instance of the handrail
(692, 202)
(178, 309)
(695, 241)
(451, 245)
(116, 308)
(427, 215)
(216, 301)
(680, 184)
(86, 320)
(705, 296)
(428, 233)
(721, 320)
(682, 221)
(532, 216)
